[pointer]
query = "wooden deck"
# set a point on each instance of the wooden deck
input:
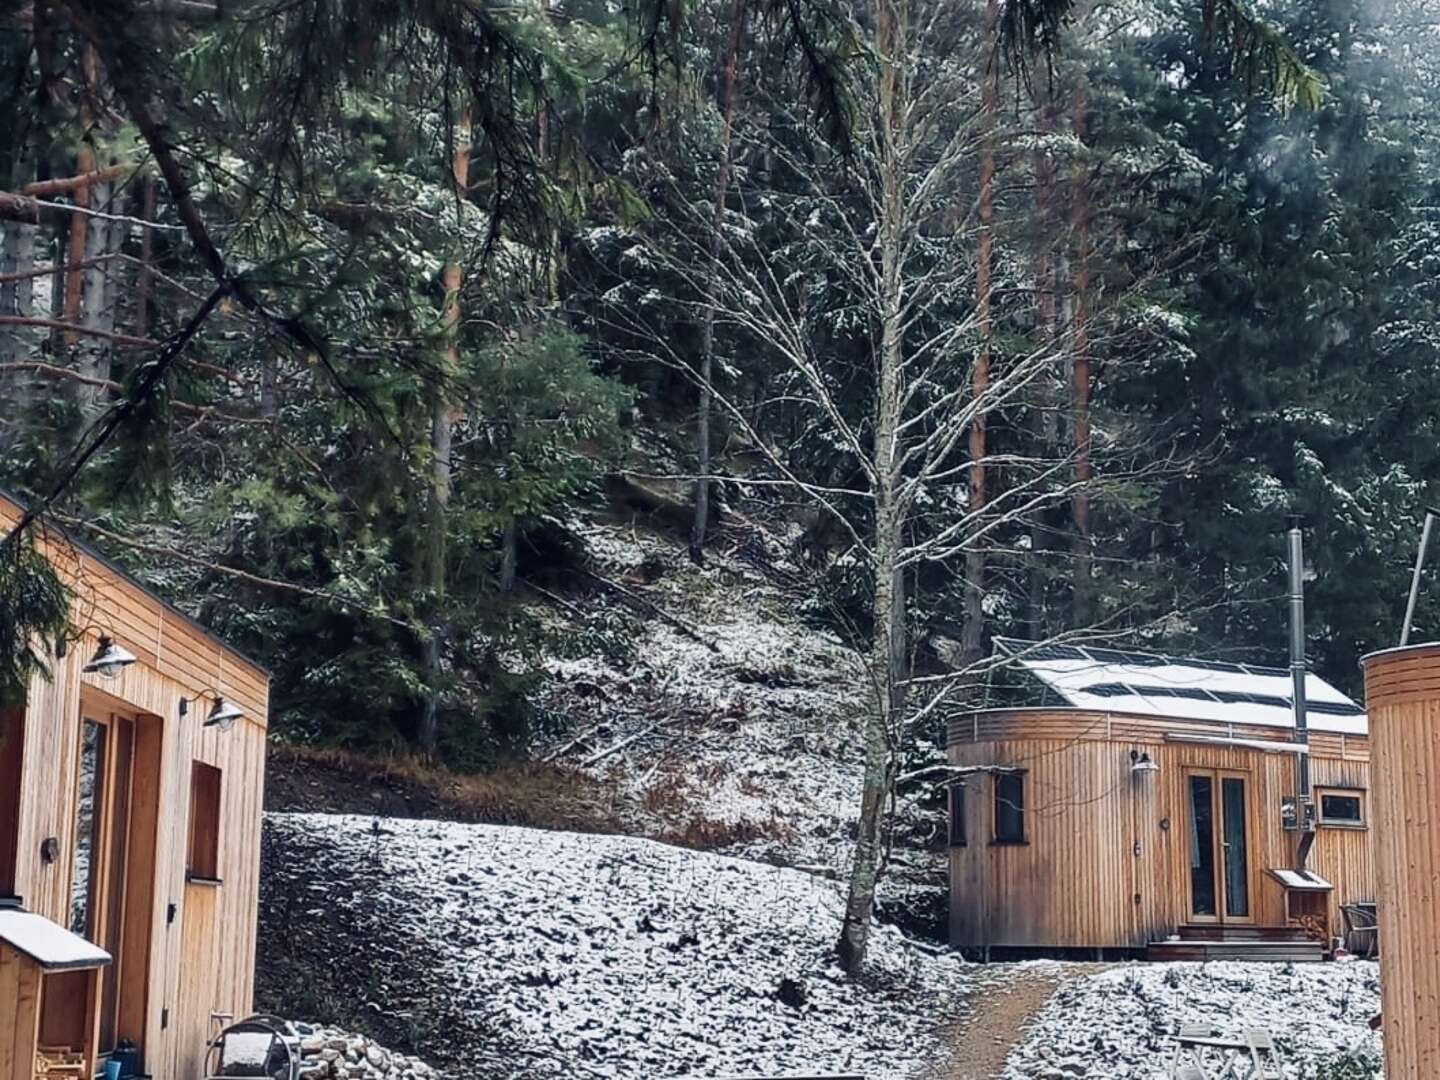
(1275, 944)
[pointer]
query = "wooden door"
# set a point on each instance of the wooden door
(1217, 808)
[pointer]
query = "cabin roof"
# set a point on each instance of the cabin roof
(1118, 680)
(21, 505)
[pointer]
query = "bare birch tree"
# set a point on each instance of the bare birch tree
(886, 253)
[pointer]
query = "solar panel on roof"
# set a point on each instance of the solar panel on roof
(1109, 689)
(1201, 689)
(1117, 656)
(1334, 708)
(1053, 652)
(1235, 697)
(1266, 672)
(1215, 665)
(1193, 693)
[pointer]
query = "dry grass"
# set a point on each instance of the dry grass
(527, 793)
(676, 798)
(533, 794)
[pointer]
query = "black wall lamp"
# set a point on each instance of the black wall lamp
(109, 658)
(1142, 762)
(222, 713)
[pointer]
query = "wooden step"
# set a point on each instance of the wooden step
(1278, 952)
(1234, 932)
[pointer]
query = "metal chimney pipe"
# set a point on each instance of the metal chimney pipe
(1297, 648)
(1297, 687)
(1430, 515)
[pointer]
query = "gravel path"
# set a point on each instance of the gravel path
(997, 1017)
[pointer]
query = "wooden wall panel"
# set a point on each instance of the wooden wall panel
(1402, 693)
(19, 1015)
(1107, 865)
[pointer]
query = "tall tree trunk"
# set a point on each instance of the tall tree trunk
(79, 222)
(1083, 590)
(1047, 330)
(972, 636)
(75, 252)
(145, 278)
(887, 606)
(444, 414)
(728, 80)
(92, 354)
(17, 343)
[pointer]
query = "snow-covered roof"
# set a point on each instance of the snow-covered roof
(1116, 680)
(1301, 880)
(48, 943)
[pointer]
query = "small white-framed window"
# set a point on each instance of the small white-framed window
(1341, 808)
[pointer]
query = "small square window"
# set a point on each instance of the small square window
(957, 815)
(1010, 808)
(202, 861)
(1341, 809)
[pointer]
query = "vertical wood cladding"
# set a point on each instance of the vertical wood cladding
(201, 961)
(1107, 863)
(1402, 694)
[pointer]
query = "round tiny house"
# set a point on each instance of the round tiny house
(1402, 692)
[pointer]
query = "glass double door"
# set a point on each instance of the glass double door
(1217, 805)
(98, 879)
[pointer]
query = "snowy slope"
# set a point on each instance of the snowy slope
(513, 952)
(1122, 1023)
(741, 742)
(745, 742)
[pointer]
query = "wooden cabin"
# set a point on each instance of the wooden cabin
(130, 806)
(1151, 808)
(1402, 692)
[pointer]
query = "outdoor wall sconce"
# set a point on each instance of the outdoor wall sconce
(222, 714)
(1142, 762)
(109, 658)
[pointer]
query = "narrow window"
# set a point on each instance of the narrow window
(1342, 809)
(1010, 808)
(203, 862)
(12, 748)
(957, 815)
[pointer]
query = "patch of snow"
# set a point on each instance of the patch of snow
(603, 955)
(1122, 1023)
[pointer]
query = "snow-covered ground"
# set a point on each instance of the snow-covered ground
(1122, 1023)
(513, 952)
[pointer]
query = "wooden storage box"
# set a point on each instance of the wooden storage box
(49, 984)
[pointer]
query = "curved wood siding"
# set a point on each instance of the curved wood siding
(1402, 693)
(1106, 863)
(200, 938)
